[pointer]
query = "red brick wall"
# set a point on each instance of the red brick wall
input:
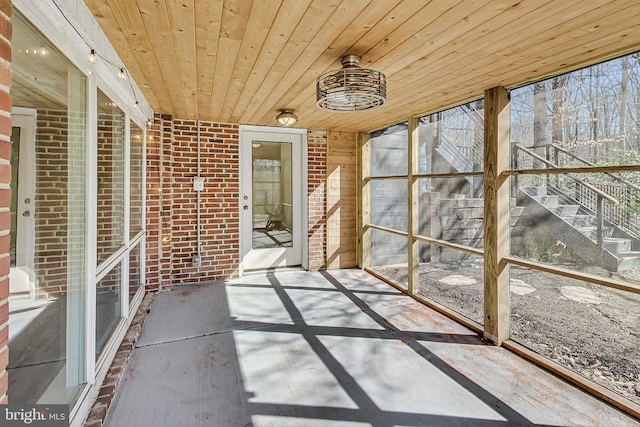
(171, 202)
(166, 200)
(219, 213)
(5, 192)
(136, 180)
(153, 205)
(317, 158)
(51, 203)
(110, 200)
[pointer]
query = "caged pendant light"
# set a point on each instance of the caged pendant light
(351, 88)
(286, 118)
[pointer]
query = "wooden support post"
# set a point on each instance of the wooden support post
(413, 211)
(497, 310)
(364, 202)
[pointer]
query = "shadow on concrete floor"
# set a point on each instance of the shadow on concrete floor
(335, 348)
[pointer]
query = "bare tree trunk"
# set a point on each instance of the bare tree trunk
(539, 121)
(624, 95)
(539, 116)
(593, 109)
(558, 86)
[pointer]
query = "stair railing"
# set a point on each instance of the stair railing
(600, 195)
(557, 149)
(626, 213)
(476, 153)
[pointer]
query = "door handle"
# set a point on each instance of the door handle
(26, 213)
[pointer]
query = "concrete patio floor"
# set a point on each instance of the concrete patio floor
(334, 348)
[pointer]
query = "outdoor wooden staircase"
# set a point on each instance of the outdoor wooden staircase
(576, 227)
(459, 162)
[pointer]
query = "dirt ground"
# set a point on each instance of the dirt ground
(590, 329)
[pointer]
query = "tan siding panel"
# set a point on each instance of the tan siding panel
(341, 200)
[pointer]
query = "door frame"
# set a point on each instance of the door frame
(303, 196)
(25, 118)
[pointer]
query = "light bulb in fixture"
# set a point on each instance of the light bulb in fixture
(286, 118)
(92, 56)
(122, 74)
(136, 105)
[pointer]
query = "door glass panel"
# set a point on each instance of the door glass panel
(272, 195)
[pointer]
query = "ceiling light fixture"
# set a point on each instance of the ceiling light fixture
(92, 56)
(286, 118)
(351, 88)
(122, 74)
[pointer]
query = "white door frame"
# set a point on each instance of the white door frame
(25, 119)
(245, 224)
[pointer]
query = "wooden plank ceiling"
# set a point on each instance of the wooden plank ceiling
(240, 61)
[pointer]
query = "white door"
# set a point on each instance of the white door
(271, 197)
(23, 189)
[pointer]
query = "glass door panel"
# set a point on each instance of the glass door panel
(272, 195)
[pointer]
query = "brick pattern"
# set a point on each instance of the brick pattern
(219, 211)
(171, 202)
(153, 205)
(317, 169)
(51, 217)
(5, 192)
(166, 201)
(110, 197)
(115, 373)
(136, 182)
